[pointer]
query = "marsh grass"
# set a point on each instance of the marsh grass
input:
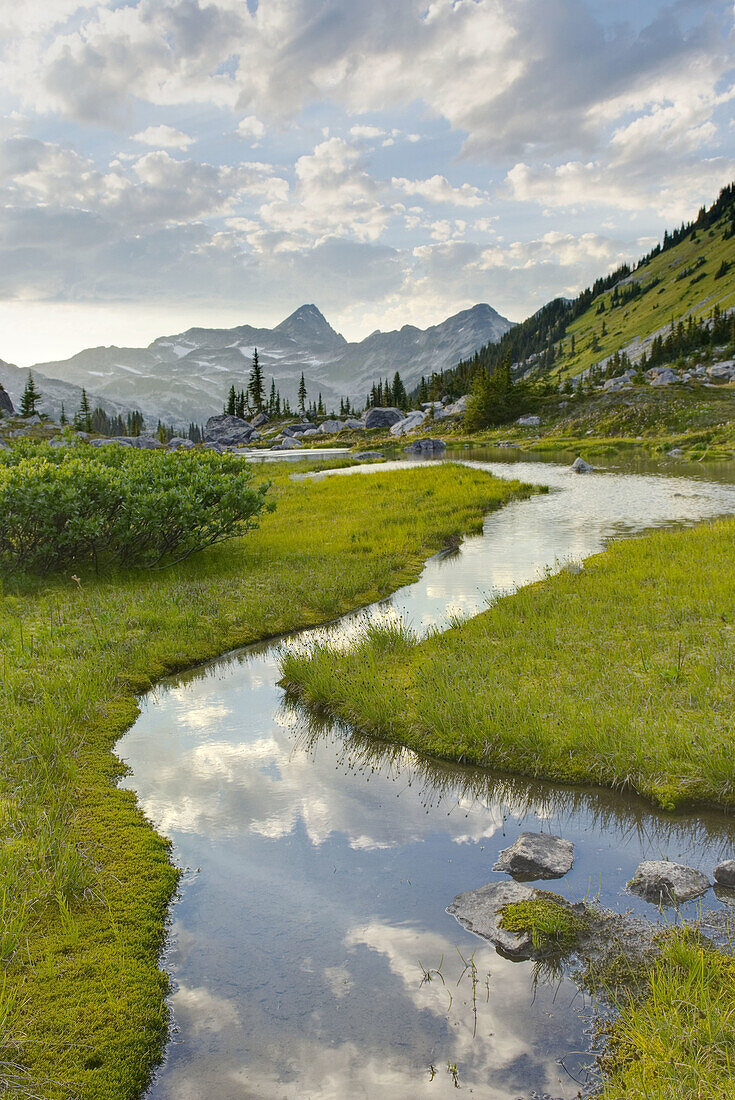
(677, 1040)
(622, 675)
(86, 881)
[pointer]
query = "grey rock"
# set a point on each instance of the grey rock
(288, 444)
(227, 430)
(146, 443)
(382, 418)
(306, 434)
(537, 855)
(214, 447)
(479, 910)
(355, 425)
(330, 427)
(675, 452)
(426, 447)
(304, 426)
(179, 443)
(725, 873)
(665, 883)
(259, 420)
(580, 466)
(368, 454)
(6, 405)
(121, 441)
(528, 421)
(409, 423)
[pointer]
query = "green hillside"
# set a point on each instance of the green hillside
(688, 279)
(689, 274)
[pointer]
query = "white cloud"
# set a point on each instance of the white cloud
(164, 137)
(251, 128)
(439, 190)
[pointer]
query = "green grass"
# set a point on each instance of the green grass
(677, 1041)
(623, 675)
(551, 922)
(86, 882)
(671, 298)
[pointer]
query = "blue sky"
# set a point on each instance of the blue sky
(210, 162)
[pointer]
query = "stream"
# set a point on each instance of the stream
(310, 952)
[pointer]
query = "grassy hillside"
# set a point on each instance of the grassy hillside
(679, 282)
(688, 274)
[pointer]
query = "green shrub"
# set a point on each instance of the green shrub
(119, 507)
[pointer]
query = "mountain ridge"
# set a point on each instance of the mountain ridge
(186, 376)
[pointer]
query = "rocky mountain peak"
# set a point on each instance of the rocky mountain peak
(309, 323)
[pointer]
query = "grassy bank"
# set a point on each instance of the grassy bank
(86, 882)
(623, 675)
(639, 650)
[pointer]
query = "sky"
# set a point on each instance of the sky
(169, 163)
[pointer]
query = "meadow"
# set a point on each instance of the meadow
(86, 880)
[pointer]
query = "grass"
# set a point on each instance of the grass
(623, 675)
(552, 923)
(86, 882)
(677, 1042)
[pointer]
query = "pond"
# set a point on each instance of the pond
(310, 951)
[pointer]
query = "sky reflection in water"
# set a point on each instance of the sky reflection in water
(325, 861)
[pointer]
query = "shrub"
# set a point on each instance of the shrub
(119, 506)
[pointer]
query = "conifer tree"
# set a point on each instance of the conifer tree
(256, 389)
(83, 419)
(272, 398)
(62, 419)
(231, 406)
(31, 397)
(302, 394)
(240, 404)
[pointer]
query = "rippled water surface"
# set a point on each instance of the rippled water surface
(310, 951)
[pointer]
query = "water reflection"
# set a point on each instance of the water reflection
(325, 860)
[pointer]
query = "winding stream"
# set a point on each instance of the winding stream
(319, 864)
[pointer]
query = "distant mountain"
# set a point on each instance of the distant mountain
(54, 392)
(187, 376)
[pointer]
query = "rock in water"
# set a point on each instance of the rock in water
(581, 467)
(426, 447)
(725, 873)
(537, 855)
(382, 418)
(479, 910)
(228, 430)
(666, 883)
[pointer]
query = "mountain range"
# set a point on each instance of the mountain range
(186, 377)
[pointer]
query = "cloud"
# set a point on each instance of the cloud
(251, 128)
(439, 190)
(164, 137)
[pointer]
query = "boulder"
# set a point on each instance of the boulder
(355, 425)
(288, 444)
(214, 447)
(179, 443)
(537, 855)
(6, 405)
(330, 427)
(122, 440)
(666, 883)
(725, 873)
(145, 442)
(227, 430)
(722, 370)
(259, 420)
(408, 424)
(581, 467)
(368, 454)
(426, 447)
(480, 911)
(528, 421)
(304, 426)
(663, 377)
(382, 418)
